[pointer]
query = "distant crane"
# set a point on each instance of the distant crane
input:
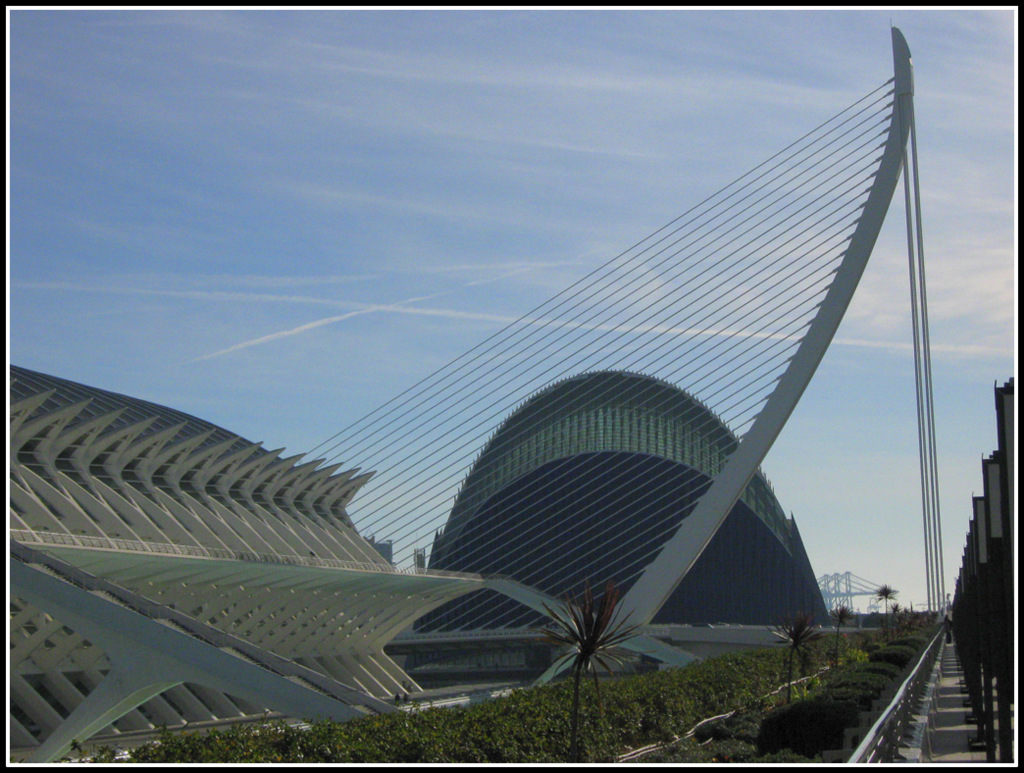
(839, 589)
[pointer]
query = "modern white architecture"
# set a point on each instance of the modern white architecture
(166, 571)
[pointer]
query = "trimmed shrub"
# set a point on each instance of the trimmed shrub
(807, 727)
(786, 755)
(528, 726)
(743, 727)
(862, 696)
(876, 682)
(887, 670)
(917, 642)
(728, 750)
(896, 654)
(853, 655)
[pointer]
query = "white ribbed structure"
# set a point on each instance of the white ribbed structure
(205, 523)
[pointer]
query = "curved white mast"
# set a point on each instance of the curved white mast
(682, 550)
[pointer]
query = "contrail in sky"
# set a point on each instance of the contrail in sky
(400, 307)
(397, 306)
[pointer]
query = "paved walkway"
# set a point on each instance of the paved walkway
(949, 733)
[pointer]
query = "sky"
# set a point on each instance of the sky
(278, 220)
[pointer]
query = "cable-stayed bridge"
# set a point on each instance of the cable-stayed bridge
(613, 432)
(734, 304)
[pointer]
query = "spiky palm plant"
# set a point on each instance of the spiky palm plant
(897, 612)
(841, 615)
(885, 594)
(796, 634)
(593, 635)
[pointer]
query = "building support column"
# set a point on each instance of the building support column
(122, 690)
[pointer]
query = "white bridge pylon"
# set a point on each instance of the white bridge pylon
(682, 550)
(751, 286)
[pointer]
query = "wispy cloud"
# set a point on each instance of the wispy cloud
(206, 296)
(504, 320)
(870, 308)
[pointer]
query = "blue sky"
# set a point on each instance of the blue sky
(277, 220)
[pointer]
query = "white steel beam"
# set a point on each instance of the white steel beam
(149, 657)
(682, 550)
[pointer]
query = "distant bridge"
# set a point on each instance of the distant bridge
(839, 589)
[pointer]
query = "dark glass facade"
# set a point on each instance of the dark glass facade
(587, 480)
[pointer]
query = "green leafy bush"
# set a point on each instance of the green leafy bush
(853, 655)
(726, 750)
(888, 670)
(863, 697)
(786, 755)
(529, 725)
(861, 683)
(863, 679)
(896, 654)
(742, 727)
(807, 727)
(917, 642)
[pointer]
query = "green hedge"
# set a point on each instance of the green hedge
(863, 697)
(807, 727)
(896, 654)
(718, 751)
(916, 642)
(726, 750)
(744, 727)
(530, 725)
(876, 682)
(888, 670)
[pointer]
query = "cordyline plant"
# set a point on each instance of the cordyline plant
(841, 614)
(796, 634)
(593, 635)
(885, 593)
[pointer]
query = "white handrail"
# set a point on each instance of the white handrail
(875, 736)
(163, 548)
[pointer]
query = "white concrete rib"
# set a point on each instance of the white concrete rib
(211, 526)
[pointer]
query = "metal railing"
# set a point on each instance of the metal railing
(471, 635)
(29, 537)
(883, 739)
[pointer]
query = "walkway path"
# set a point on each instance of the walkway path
(949, 732)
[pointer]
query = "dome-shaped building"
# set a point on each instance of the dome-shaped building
(586, 480)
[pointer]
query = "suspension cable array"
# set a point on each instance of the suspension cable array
(715, 302)
(931, 516)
